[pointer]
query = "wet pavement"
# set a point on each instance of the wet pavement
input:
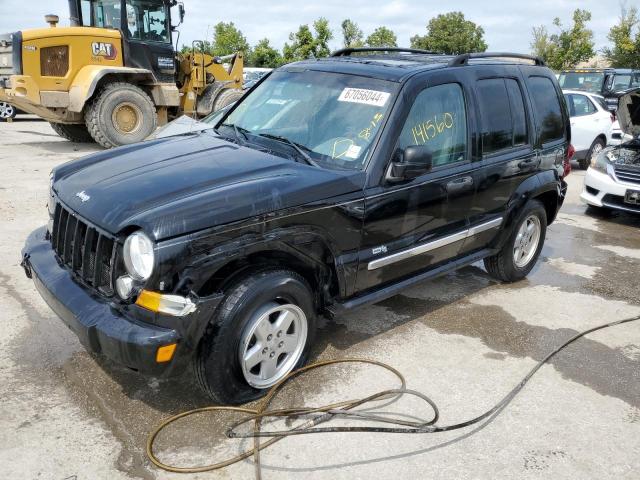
(464, 339)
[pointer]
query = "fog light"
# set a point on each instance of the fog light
(124, 286)
(165, 353)
(169, 304)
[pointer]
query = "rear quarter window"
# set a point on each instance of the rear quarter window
(547, 109)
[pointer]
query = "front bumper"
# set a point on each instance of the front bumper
(105, 328)
(600, 190)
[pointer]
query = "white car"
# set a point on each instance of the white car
(612, 182)
(617, 135)
(591, 124)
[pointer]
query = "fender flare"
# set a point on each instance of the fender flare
(294, 242)
(535, 185)
(86, 81)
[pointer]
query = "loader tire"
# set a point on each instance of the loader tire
(226, 97)
(73, 133)
(121, 114)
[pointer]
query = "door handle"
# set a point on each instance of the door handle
(459, 184)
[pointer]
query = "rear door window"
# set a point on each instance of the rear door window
(502, 114)
(547, 109)
(580, 105)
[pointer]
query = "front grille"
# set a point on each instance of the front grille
(54, 61)
(86, 251)
(627, 174)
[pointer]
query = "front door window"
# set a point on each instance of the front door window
(148, 20)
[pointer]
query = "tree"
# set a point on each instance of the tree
(305, 45)
(568, 46)
(541, 45)
(264, 55)
(625, 52)
(452, 34)
(351, 34)
(382, 37)
(227, 39)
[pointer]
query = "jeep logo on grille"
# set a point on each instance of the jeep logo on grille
(106, 50)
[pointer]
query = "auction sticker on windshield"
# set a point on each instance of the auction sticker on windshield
(361, 95)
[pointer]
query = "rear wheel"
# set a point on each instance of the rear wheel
(73, 133)
(521, 251)
(595, 149)
(262, 331)
(7, 111)
(226, 97)
(121, 114)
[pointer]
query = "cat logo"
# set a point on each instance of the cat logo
(106, 50)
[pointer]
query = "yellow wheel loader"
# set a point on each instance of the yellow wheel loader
(113, 76)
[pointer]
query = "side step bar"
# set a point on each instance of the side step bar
(394, 289)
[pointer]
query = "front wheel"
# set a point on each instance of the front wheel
(261, 332)
(121, 114)
(521, 251)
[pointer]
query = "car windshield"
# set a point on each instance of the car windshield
(333, 118)
(587, 81)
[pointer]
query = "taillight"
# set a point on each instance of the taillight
(567, 161)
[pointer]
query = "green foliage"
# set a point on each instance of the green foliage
(452, 34)
(264, 55)
(382, 37)
(352, 36)
(625, 52)
(304, 44)
(568, 46)
(227, 39)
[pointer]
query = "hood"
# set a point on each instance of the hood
(628, 113)
(179, 126)
(178, 185)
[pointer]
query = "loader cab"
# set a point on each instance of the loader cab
(145, 26)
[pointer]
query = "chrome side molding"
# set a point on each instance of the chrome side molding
(432, 245)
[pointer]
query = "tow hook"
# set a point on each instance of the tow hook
(26, 265)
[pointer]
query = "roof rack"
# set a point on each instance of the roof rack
(345, 52)
(463, 59)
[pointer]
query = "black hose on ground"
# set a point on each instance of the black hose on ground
(325, 413)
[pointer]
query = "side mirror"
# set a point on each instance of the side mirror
(181, 11)
(413, 162)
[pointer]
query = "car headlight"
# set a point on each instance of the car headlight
(138, 256)
(601, 162)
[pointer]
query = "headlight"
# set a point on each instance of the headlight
(601, 161)
(138, 255)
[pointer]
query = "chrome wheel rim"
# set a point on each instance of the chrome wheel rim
(597, 148)
(527, 240)
(272, 343)
(6, 110)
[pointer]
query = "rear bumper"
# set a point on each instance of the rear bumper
(105, 328)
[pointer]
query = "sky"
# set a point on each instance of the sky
(507, 25)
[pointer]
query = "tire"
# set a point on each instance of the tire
(121, 114)
(596, 147)
(503, 265)
(226, 97)
(219, 370)
(7, 111)
(73, 133)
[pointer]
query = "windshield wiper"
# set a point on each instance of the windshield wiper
(296, 146)
(240, 133)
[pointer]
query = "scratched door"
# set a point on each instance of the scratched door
(418, 224)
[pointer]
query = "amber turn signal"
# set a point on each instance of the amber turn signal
(165, 353)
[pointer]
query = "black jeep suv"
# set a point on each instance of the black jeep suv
(333, 183)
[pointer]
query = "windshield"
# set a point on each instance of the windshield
(146, 19)
(587, 81)
(333, 117)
